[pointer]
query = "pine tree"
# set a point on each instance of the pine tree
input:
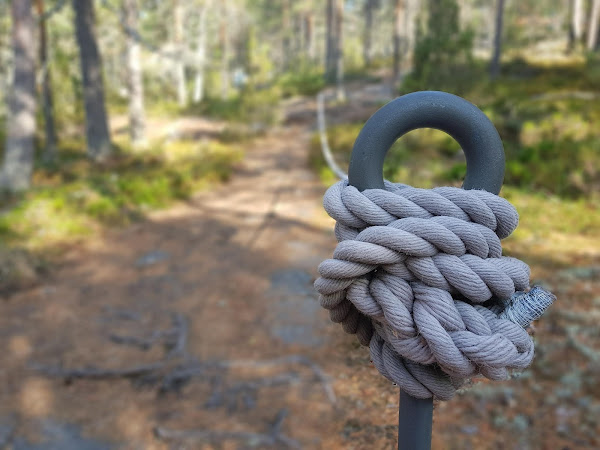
(20, 129)
(96, 123)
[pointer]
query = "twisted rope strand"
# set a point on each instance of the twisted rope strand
(418, 275)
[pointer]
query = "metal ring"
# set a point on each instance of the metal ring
(462, 120)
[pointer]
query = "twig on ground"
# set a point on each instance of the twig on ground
(99, 373)
(180, 332)
(292, 359)
(141, 343)
(245, 391)
(122, 314)
(175, 338)
(177, 368)
(274, 436)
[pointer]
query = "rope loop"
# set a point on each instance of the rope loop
(418, 275)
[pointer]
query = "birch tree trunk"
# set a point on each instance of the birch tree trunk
(201, 54)
(399, 14)
(178, 17)
(592, 35)
(47, 100)
(135, 85)
(96, 124)
(339, 50)
(20, 130)
(577, 20)
(495, 62)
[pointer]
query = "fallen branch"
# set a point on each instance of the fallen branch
(177, 368)
(180, 333)
(292, 359)
(274, 436)
(141, 343)
(175, 338)
(98, 373)
(245, 391)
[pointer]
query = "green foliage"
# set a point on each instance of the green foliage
(260, 108)
(255, 107)
(307, 81)
(421, 158)
(443, 52)
(72, 196)
(549, 132)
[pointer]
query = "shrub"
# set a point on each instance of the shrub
(443, 52)
(307, 81)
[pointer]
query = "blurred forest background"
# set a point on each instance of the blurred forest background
(112, 109)
(87, 89)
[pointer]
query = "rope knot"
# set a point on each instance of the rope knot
(418, 275)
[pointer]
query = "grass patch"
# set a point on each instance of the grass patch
(549, 129)
(74, 197)
(547, 117)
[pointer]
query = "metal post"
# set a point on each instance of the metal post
(485, 170)
(414, 422)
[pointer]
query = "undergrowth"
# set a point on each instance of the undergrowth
(548, 119)
(73, 197)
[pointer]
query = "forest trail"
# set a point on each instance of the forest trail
(202, 317)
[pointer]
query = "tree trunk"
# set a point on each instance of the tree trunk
(495, 62)
(47, 100)
(96, 124)
(135, 85)
(225, 44)
(178, 18)
(577, 21)
(410, 20)
(399, 13)
(592, 36)
(286, 30)
(201, 54)
(20, 129)
(368, 32)
(309, 38)
(330, 41)
(339, 50)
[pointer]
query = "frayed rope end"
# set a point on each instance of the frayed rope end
(525, 307)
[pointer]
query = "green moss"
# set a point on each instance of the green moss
(72, 197)
(550, 134)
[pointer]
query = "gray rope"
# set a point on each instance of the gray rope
(418, 275)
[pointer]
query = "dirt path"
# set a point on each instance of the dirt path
(221, 286)
(199, 329)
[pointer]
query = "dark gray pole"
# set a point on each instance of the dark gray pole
(415, 418)
(485, 170)
(429, 109)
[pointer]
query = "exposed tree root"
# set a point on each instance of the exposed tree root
(273, 437)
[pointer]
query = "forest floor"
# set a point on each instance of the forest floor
(199, 328)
